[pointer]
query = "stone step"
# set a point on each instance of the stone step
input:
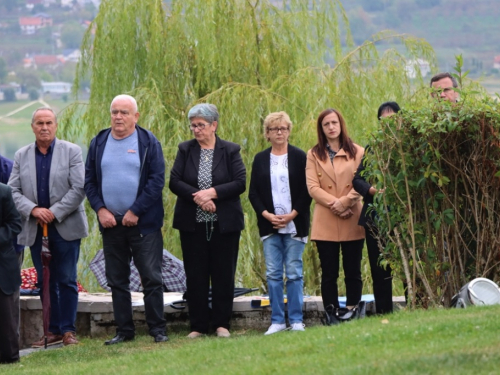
(95, 314)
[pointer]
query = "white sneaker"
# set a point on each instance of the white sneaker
(298, 326)
(275, 328)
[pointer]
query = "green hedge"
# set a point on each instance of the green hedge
(440, 210)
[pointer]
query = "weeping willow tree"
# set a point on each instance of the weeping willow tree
(249, 58)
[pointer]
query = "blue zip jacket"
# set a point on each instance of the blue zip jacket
(148, 205)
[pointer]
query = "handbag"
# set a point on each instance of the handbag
(334, 315)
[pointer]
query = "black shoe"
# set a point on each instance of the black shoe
(118, 339)
(330, 317)
(160, 337)
(9, 361)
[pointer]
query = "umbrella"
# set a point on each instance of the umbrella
(46, 256)
(172, 272)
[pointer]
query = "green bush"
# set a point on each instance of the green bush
(440, 166)
(33, 93)
(9, 95)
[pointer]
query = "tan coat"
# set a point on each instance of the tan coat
(326, 183)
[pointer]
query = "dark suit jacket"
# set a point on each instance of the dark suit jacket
(10, 226)
(5, 169)
(362, 187)
(228, 180)
(261, 196)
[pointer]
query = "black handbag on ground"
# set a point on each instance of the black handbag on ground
(335, 315)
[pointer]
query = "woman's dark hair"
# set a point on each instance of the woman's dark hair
(345, 142)
(388, 106)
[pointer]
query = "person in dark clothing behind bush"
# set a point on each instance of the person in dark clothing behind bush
(381, 276)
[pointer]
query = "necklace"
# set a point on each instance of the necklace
(209, 236)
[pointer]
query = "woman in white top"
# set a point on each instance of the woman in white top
(278, 193)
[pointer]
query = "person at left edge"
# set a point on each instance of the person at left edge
(124, 179)
(47, 186)
(10, 278)
(208, 177)
(5, 171)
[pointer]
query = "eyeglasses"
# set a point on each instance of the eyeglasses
(277, 130)
(199, 126)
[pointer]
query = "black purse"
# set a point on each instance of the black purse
(334, 316)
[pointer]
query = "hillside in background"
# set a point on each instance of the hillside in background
(452, 27)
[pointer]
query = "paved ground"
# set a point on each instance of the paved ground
(24, 352)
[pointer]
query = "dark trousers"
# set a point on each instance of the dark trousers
(329, 254)
(210, 261)
(381, 276)
(120, 245)
(9, 327)
(62, 283)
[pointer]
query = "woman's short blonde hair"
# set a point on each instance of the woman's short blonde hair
(277, 118)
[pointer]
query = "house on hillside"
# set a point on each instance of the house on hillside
(30, 4)
(50, 61)
(496, 62)
(413, 65)
(11, 85)
(72, 55)
(30, 25)
(71, 3)
(47, 61)
(56, 88)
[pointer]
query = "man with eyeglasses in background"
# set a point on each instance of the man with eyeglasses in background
(124, 179)
(444, 85)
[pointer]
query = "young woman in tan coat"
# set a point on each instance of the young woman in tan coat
(331, 166)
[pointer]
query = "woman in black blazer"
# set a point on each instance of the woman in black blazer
(208, 177)
(278, 193)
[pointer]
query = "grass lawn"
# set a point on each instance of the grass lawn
(423, 342)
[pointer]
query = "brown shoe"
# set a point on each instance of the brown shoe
(69, 338)
(51, 340)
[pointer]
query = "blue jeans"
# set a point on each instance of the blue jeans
(282, 250)
(63, 271)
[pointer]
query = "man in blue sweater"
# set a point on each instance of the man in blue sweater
(124, 179)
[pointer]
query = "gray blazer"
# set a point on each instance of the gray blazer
(66, 180)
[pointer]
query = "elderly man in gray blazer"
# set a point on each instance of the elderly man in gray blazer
(47, 186)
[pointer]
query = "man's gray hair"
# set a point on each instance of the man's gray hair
(206, 111)
(127, 97)
(42, 109)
